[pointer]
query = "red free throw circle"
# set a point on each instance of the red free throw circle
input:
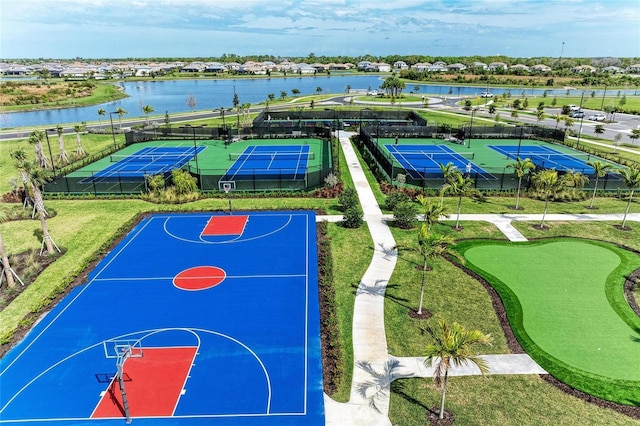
(199, 278)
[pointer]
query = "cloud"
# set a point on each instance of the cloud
(332, 27)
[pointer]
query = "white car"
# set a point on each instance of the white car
(597, 117)
(486, 95)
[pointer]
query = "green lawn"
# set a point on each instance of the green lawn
(566, 305)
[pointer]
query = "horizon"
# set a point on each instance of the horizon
(145, 29)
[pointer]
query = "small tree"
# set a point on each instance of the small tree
(631, 179)
(460, 186)
(101, 112)
(6, 266)
(600, 169)
(348, 198)
(404, 215)
(432, 212)
(452, 345)
(547, 182)
(79, 128)
(430, 246)
(520, 168)
(353, 217)
(62, 156)
(183, 182)
(191, 102)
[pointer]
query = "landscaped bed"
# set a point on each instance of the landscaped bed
(565, 303)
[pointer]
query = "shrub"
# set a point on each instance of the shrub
(353, 217)
(394, 198)
(404, 214)
(348, 198)
(183, 182)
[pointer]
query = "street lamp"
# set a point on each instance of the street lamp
(113, 133)
(53, 166)
(520, 141)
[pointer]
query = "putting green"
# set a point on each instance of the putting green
(569, 294)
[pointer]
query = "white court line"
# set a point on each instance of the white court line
(86, 286)
(234, 240)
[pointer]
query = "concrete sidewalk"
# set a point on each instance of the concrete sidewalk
(374, 369)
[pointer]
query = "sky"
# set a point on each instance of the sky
(63, 29)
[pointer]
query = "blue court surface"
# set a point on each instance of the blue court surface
(270, 162)
(548, 158)
(152, 160)
(223, 314)
(420, 161)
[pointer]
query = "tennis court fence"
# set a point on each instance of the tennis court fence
(251, 181)
(491, 178)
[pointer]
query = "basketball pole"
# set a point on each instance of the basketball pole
(120, 364)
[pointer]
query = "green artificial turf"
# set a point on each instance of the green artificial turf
(565, 302)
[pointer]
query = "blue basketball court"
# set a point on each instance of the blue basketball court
(145, 162)
(422, 160)
(269, 162)
(204, 319)
(548, 158)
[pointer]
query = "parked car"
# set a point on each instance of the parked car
(576, 114)
(486, 95)
(574, 107)
(598, 117)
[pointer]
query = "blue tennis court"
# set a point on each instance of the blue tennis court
(269, 162)
(152, 160)
(220, 317)
(547, 158)
(422, 160)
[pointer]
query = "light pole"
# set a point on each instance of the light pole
(113, 133)
(603, 95)
(473, 111)
(53, 166)
(519, 141)
(580, 131)
(195, 148)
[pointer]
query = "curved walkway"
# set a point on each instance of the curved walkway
(374, 368)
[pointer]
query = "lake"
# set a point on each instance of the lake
(171, 96)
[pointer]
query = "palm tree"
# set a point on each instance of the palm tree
(121, 111)
(430, 246)
(520, 168)
(101, 112)
(600, 169)
(631, 179)
(35, 138)
(79, 128)
(62, 157)
(575, 180)
(558, 119)
(452, 345)
(6, 266)
(548, 183)
(147, 109)
(461, 186)
(35, 177)
(447, 171)
(432, 211)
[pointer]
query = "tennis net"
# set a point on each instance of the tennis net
(554, 157)
(150, 158)
(437, 155)
(271, 156)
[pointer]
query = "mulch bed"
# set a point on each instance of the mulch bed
(435, 420)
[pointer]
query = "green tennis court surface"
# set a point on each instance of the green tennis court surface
(570, 293)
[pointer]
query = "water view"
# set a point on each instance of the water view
(171, 96)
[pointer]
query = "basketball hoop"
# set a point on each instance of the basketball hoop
(227, 187)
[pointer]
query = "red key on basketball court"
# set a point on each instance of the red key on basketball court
(225, 225)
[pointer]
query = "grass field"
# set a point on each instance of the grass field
(84, 229)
